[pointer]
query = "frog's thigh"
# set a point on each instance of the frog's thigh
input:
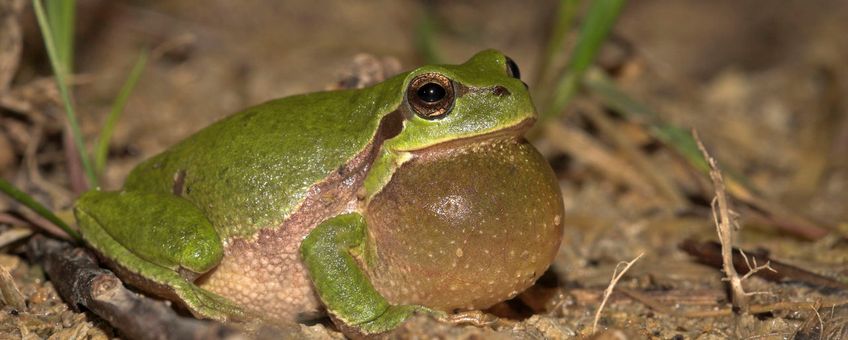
(157, 242)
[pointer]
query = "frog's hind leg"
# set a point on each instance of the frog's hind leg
(157, 242)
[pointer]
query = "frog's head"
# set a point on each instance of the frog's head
(482, 98)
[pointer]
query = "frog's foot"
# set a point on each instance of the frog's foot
(351, 300)
(205, 304)
(393, 317)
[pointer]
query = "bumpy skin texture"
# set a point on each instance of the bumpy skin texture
(464, 228)
(252, 170)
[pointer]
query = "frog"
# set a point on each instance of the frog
(418, 194)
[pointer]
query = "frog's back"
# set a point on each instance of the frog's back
(253, 169)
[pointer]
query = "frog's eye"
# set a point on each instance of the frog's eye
(430, 95)
(512, 68)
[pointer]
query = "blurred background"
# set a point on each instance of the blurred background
(765, 83)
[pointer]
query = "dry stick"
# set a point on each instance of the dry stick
(709, 253)
(616, 275)
(81, 282)
(712, 312)
(725, 225)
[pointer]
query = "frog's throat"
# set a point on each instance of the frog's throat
(388, 161)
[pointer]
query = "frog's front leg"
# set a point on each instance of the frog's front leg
(343, 287)
(157, 242)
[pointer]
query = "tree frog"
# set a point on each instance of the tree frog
(416, 194)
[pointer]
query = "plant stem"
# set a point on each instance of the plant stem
(39, 209)
(102, 150)
(61, 72)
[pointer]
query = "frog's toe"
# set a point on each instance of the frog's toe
(393, 317)
(472, 317)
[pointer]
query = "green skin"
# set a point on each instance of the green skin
(308, 172)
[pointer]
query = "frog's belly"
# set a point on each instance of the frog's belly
(266, 276)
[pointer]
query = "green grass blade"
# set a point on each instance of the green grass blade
(677, 138)
(60, 16)
(556, 41)
(425, 36)
(39, 209)
(598, 23)
(61, 75)
(598, 82)
(682, 142)
(118, 106)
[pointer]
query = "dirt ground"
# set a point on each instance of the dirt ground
(764, 82)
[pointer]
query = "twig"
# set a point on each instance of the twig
(725, 227)
(616, 275)
(717, 311)
(710, 253)
(753, 269)
(81, 282)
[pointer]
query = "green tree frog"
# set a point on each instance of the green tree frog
(415, 194)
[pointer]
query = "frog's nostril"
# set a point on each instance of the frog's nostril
(500, 91)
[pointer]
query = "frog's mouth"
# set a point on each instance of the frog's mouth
(515, 132)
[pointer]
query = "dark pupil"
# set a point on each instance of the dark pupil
(513, 68)
(431, 92)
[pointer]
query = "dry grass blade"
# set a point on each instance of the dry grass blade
(11, 294)
(660, 181)
(616, 276)
(11, 40)
(679, 140)
(13, 235)
(584, 148)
